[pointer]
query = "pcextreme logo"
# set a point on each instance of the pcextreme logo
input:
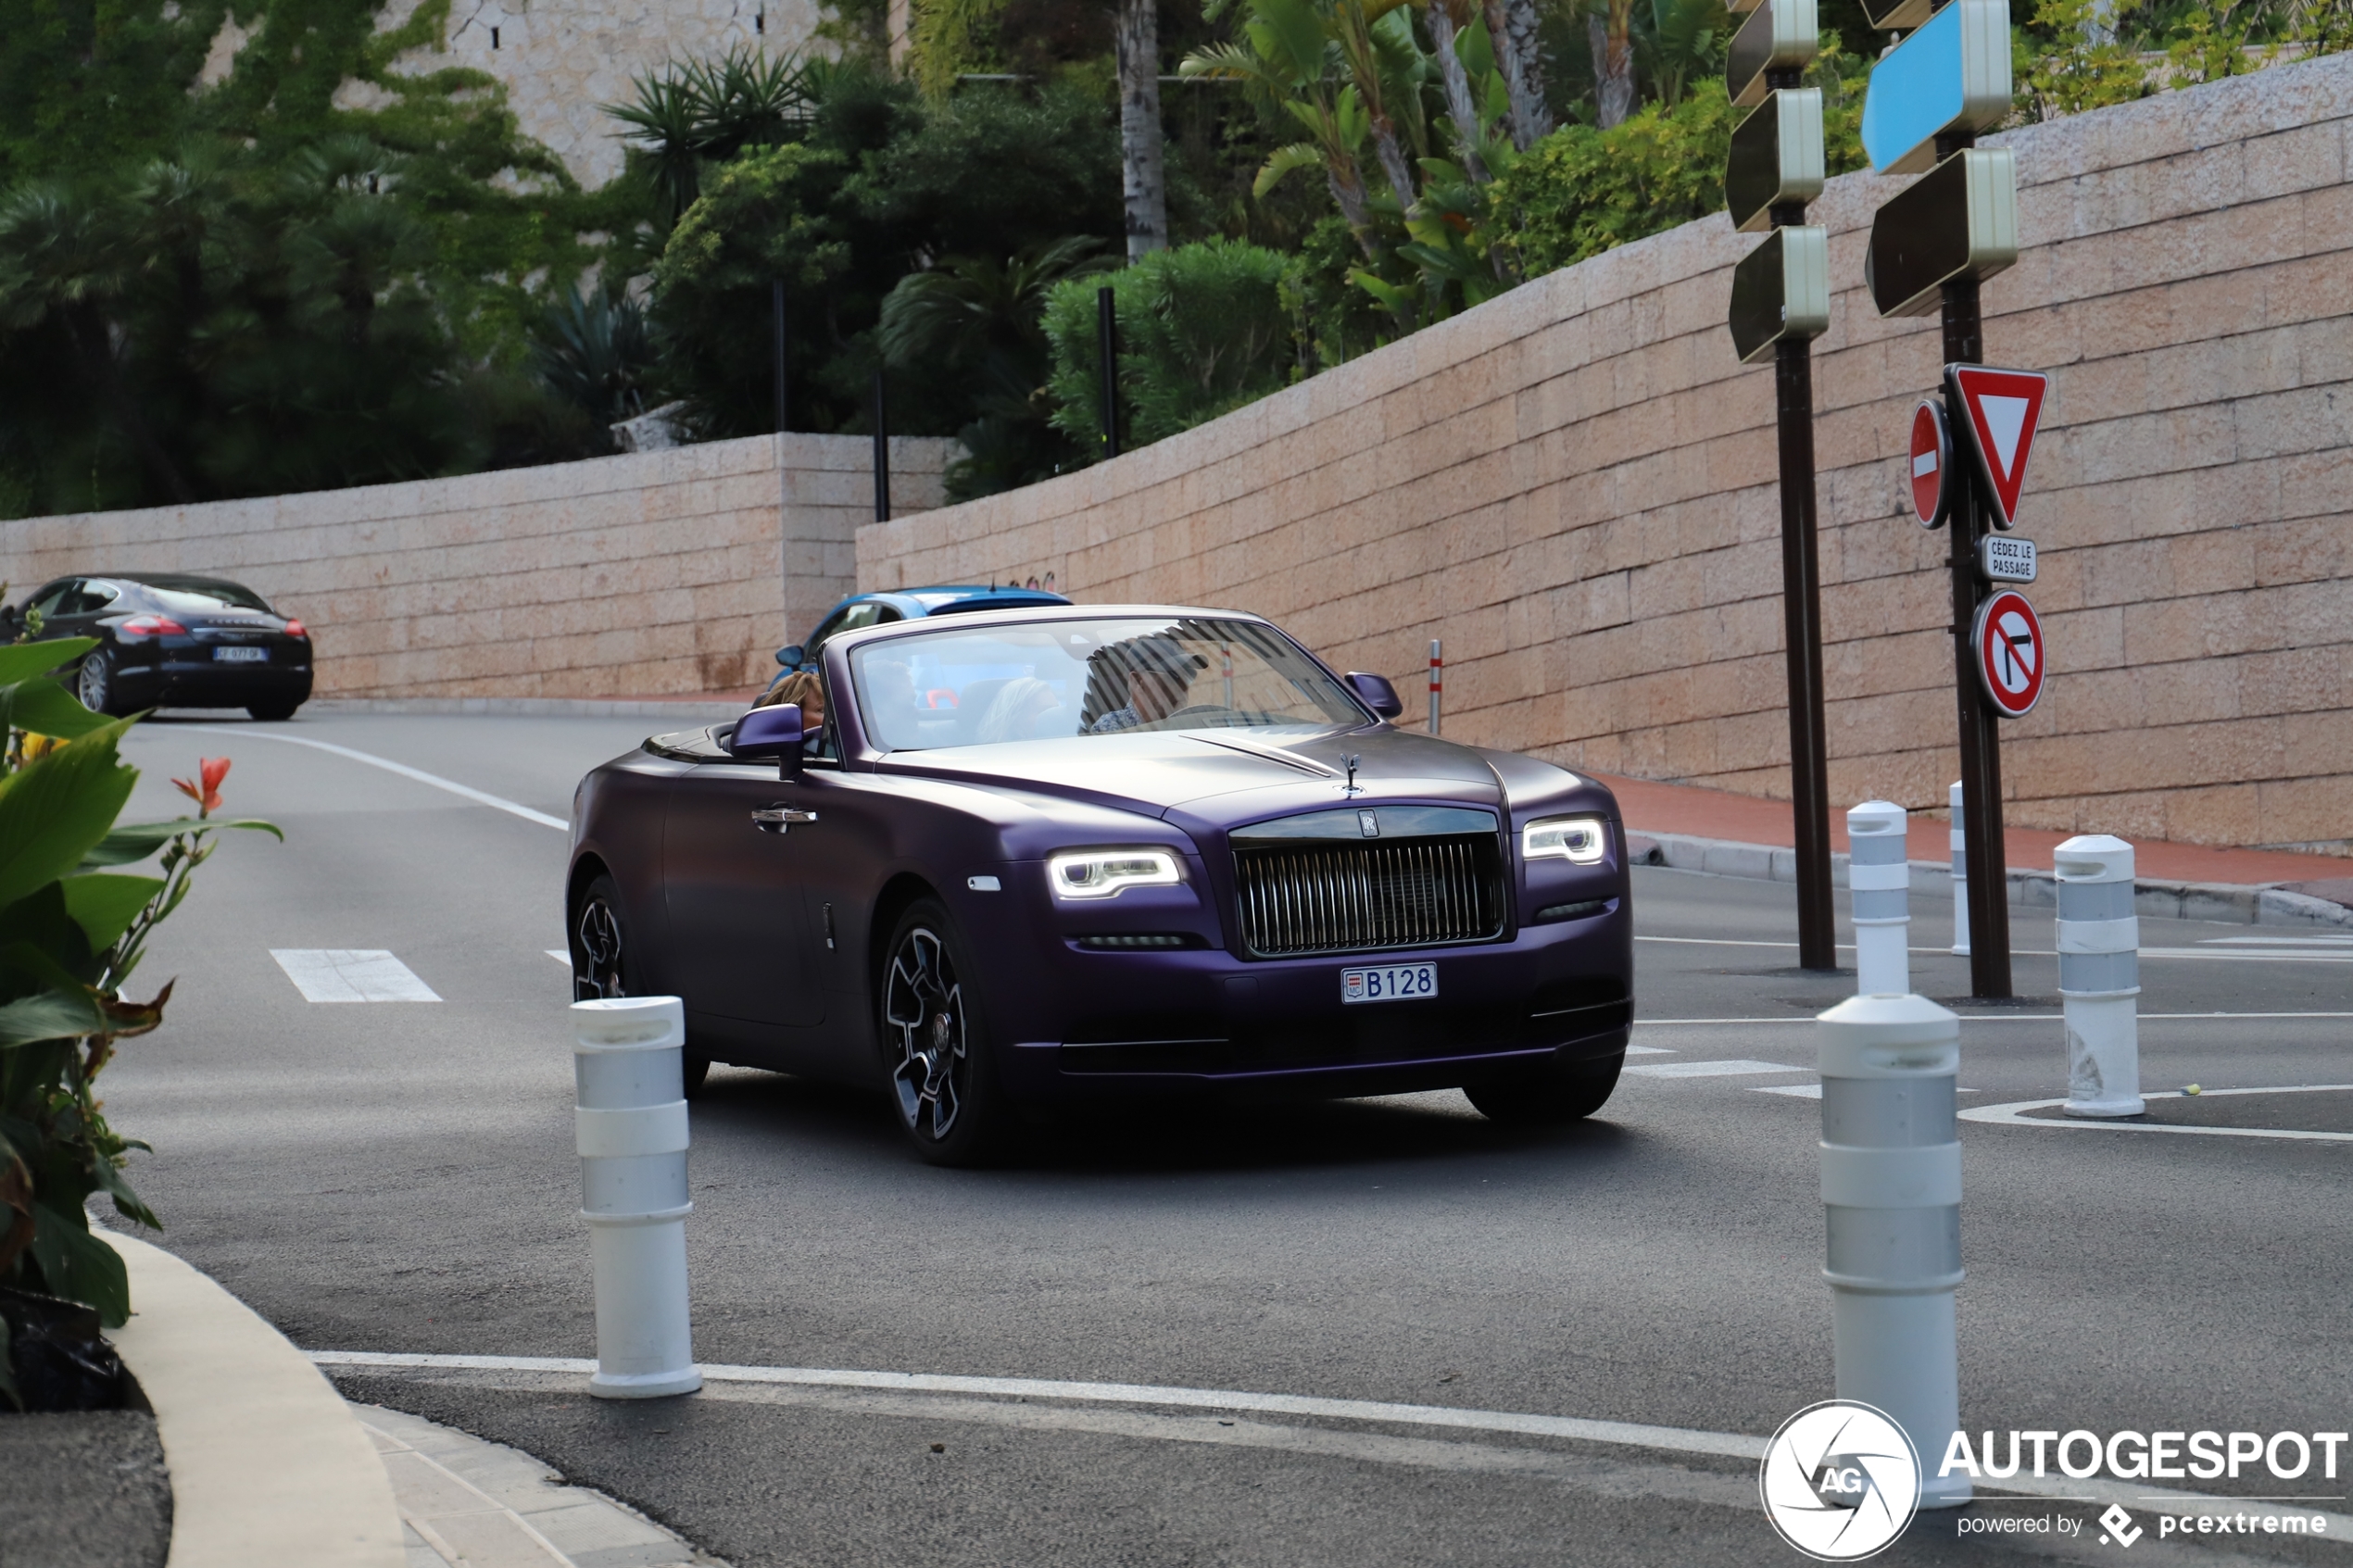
(1840, 1481)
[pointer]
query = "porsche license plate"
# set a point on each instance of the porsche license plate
(241, 656)
(1396, 982)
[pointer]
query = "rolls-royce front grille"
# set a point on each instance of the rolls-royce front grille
(1325, 898)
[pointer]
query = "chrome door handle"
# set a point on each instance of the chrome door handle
(780, 818)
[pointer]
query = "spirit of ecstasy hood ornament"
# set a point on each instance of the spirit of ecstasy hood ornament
(1350, 762)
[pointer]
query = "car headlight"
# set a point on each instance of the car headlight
(1100, 873)
(1580, 840)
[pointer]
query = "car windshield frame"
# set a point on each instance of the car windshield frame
(1081, 677)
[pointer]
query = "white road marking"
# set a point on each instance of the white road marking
(2344, 941)
(1988, 1018)
(1628, 1434)
(1712, 1069)
(351, 974)
(1648, 1050)
(561, 957)
(1671, 1439)
(2012, 1115)
(479, 797)
(2278, 949)
(1814, 1091)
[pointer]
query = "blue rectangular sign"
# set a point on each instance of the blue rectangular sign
(1951, 74)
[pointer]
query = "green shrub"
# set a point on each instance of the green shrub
(1581, 190)
(1203, 329)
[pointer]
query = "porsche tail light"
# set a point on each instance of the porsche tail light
(294, 629)
(153, 627)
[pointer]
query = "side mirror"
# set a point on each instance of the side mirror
(770, 731)
(790, 656)
(1378, 695)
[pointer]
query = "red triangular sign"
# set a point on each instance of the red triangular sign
(2000, 409)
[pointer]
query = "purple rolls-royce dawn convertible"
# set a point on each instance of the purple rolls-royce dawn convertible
(1047, 855)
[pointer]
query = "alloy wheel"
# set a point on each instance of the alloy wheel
(597, 940)
(91, 686)
(923, 1001)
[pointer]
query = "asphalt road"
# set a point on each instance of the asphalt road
(400, 1177)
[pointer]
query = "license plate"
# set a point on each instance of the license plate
(241, 656)
(1396, 982)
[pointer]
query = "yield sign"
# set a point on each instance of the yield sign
(2007, 643)
(1999, 410)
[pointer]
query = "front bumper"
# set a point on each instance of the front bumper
(1201, 1018)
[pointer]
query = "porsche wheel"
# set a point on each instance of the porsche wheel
(942, 1078)
(602, 962)
(1553, 1097)
(94, 682)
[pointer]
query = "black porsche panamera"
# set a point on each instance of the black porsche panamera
(172, 640)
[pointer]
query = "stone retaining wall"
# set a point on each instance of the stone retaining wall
(1575, 486)
(679, 571)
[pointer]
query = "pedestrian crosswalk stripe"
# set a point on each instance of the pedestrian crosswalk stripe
(351, 974)
(1712, 1069)
(561, 957)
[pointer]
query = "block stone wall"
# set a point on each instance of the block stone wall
(1574, 485)
(658, 573)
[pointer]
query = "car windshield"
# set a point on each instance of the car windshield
(189, 597)
(1054, 680)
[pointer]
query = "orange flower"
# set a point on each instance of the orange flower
(211, 770)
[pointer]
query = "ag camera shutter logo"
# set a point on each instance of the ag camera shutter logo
(1840, 1481)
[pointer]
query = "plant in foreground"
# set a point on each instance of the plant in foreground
(71, 931)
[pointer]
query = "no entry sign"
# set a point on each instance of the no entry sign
(1931, 466)
(2008, 642)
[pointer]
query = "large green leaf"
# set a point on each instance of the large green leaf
(49, 1015)
(23, 661)
(136, 840)
(47, 709)
(80, 1267)
(103, 905)
(41, 923)
(57, 809)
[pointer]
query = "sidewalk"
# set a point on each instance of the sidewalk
(1718, 814)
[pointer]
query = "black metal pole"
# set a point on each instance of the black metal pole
(776, 303)
(1989, 907)
(882, 451)
(1107, 367)
(1802, 621)
(1809, 787)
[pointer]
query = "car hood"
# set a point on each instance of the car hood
(1221, 778)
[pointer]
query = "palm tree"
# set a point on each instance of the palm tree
(1136, 32)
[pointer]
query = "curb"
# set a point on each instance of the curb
(269, 1469)
(687, 709)
(2217, 901)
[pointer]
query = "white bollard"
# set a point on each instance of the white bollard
(630, 1127)
(1960, 874)
(1881, 883)
(2099, 941)
(1891, 1199)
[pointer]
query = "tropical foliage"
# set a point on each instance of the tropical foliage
(72, 931)
(1202, 329)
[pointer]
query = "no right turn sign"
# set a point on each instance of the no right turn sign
(2008, 642)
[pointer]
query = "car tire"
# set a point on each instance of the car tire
(604, 963)
(271, 712)
(944, 1087)
(1553, 1097)
(94, 681)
